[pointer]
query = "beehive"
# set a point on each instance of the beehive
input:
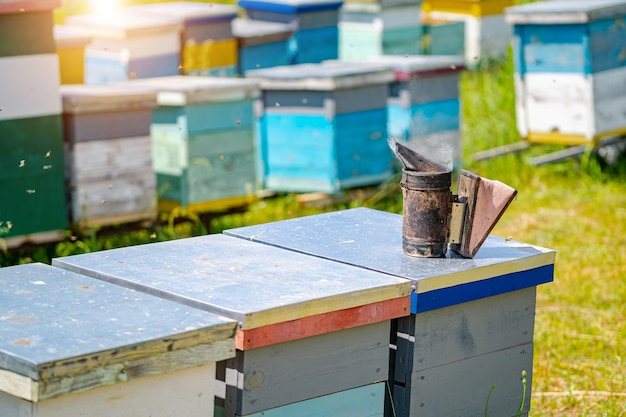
(486, 34)
(74, 346)
(109, 154)
(424, 106)
(313, 334)
(203, 134)
(262, 44)
(324, 126)
(316, 35)
(471, 322)
(208, 46)
(129, 45)
(368, 29)
(32, 196)
(570, 70)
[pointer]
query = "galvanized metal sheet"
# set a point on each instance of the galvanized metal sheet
(49, 315)
(253, 283)
(372, 239)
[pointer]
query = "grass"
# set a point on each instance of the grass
(576, 208)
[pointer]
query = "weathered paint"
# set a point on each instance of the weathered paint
(109, 360)
(571, 105)
(337, 110)
(365, 401)
(304, 369)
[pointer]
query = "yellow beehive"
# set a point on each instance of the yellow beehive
(70, 46)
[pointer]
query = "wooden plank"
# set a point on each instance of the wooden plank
(366, 401)
(469, 329)
(322, 323)
(470, 380)
(109, 159)
(234, 277)
(307, 368)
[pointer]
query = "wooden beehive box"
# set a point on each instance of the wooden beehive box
(369, 29)
(208, 46)
(472, 320)
(324, 126)
(129, 45)
(312, 334)
(204, 142)
(109, 154)
(32, 195)
(262, 44)
(570, 70)
(73, 346)
(424, 105)
(70, 47)
(316, 36)
(486, 34)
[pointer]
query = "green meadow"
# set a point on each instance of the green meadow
(575, 206)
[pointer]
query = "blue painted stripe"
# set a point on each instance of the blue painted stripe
(446, 297)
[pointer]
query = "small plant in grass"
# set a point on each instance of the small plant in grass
(521, 406)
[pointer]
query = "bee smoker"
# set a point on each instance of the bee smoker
(433, 218)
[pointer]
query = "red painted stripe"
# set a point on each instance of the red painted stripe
(323, 323)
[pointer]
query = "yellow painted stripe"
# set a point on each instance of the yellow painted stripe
(72, 64)
(476, 8)
(486, 272)
(209, 54)
(325, 305)
(555, 138)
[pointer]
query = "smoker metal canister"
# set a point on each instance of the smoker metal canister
(427, 198)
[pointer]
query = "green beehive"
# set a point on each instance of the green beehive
(32, 196)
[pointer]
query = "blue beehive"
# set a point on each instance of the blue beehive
(316, 37)
(570, 70)
(424, 106)
(471, 322)
(203, 141)
(262, 44)
(324, 126)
